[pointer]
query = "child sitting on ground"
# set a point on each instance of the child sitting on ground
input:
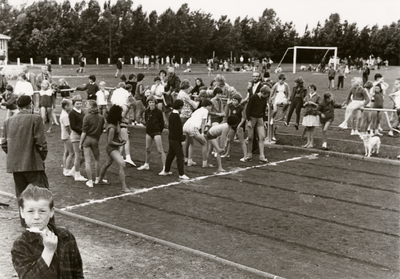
(44, 250)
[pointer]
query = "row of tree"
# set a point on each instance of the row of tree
(49, 29)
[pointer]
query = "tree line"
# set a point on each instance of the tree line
(47, 29)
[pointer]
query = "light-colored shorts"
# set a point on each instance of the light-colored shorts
(74, 136)
(190, 129)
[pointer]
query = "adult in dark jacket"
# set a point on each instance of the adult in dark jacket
(173, 83)
(25, 144)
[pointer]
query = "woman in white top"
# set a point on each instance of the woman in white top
(23, 86)
(102, 99)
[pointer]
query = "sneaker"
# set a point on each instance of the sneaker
(263, 160)
(247, 159)
(273, 139)
(192, 163)
(243, 159)
(378, 133)
(89, 183)
(164, 173)
(352, 133)
(208, 166)
(225, 156)
(356, 133)
(102, 182)
(184, 177)
(130, 162)
(324, 145)
(71, 173)
(67, 173)
(343, 126)
(144, 167)
(80, 178)
(390, 134)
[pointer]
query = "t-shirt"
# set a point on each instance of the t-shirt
(64, 123)
(120, 97)
(237, 111)
(101, 97)
(197, 117)
(396, 98)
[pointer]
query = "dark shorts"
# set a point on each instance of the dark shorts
(210, 137)
(111, 148)
(331, 78)
(152, 135)
(91, 142)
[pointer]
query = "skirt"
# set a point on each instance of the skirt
(311, 121)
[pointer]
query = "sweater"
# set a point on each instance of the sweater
(175, 127)
(76, 121)
(93, 124)
(91, 89)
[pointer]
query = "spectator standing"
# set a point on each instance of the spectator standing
(119, 68)
(366, 72)
(25, 154)
(9, 100)
(341, 73)
(44, 75)
(296, 101)
(92, 88)
(331, 77)
(31, 77)
(3, 81)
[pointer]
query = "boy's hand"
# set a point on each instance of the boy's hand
(50, 241)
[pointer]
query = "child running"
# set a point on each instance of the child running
(222, 131)
(44, 250)
(154, 122)
(175, 137)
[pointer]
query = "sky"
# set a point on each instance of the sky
(300, 12)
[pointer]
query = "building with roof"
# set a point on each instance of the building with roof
(4, 49)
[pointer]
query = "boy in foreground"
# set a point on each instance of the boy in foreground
(44, 250)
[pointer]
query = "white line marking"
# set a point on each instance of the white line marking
(236, 170)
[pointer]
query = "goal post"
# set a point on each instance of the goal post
(295, 48)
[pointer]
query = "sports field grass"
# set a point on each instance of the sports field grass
(308, 214)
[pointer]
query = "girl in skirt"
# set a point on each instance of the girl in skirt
(311, 118)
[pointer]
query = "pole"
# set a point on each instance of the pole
(31, 62)
(294, 60)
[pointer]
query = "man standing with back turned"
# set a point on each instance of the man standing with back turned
(25, 143)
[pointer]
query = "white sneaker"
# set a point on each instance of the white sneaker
(89, 183)
(164, 173)
(184, 177)
(130, 162)
(352, 133)
(343, 125)
(140, 125)
(356, 133)
(225, 155)
(80, 178)
(243, 159)
(191, 163)
(273, 139)
(67, 173)
(144, 167)
(390, 134)
(71, 173)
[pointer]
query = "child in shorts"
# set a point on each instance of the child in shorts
(154, 122)
(218, 144)
(44, 250)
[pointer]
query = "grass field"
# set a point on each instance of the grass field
(308, 214)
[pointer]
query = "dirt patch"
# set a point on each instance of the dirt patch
(110, 254)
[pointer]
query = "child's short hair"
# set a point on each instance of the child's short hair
(102, 83)
(237, 97)
(122, 78)
(185, 84)
(64, 103)
(35, 193)
(327, 95)
(206, 103)
(216, 91)
(131, 76)
(377, 75)
(178, 104)
(9, 88)
(313, 86)
(128, 87)
(140, 77)
(76, 98)
(92, 77)
(151, 99)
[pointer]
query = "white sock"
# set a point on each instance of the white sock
(205, 163)
(128, 157)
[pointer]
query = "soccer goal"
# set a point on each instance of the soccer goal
(295, 48)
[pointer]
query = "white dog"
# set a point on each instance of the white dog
(371, 144)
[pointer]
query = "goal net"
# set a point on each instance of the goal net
(295, 49)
